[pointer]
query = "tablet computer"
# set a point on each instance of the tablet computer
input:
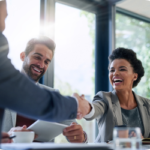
(46, 131)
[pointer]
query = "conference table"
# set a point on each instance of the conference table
(53, 146)
(68, 146)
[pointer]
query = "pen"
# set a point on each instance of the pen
(11, 137)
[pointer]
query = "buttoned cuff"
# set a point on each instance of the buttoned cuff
(92, 112)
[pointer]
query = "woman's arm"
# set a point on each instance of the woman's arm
(98, 107)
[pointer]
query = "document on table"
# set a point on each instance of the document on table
(46, 131)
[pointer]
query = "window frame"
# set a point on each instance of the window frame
(105, 24)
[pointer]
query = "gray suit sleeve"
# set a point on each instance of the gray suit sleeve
(20, 94)
(100, 106)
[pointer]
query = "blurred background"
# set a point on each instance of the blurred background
(85, 32)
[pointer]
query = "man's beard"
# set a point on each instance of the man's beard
(32, 75)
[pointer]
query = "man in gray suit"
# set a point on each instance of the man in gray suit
(20, 94)
(36, 59)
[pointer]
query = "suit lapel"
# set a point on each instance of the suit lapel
(14, 116)
(144, 112)
(116, 109)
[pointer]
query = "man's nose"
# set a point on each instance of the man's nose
(41, 64)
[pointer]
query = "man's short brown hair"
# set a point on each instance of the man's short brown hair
(2, 1)
(40, 40)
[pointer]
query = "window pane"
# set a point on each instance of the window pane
(22, 24)
(135, 34)
(74, 57)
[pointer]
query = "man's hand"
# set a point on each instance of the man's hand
(17, 129)
(5, 138)
(84, 106)
(74, 133)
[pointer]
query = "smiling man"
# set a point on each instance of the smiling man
(36, 59)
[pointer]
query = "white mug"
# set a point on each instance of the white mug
(23, 136)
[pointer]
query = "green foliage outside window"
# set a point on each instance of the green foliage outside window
(133, 34)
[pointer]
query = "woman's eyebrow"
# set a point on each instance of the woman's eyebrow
(111, 68)
(122, 67)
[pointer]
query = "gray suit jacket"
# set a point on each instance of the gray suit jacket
(9, 119)
(108, 114)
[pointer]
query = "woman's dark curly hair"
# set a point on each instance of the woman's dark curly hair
(130, 56)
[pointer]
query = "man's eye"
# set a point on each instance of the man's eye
(37, 57)
(46, 62)
(122, 69)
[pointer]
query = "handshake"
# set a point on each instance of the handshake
(84, 107)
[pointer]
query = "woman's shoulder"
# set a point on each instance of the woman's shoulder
(102, 95)
(143, 99)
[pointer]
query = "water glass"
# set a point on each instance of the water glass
(127, 138)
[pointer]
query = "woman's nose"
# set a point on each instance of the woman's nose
(116, 72)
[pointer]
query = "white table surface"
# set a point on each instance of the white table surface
(21, 146)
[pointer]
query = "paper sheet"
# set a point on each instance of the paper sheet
(46, 131)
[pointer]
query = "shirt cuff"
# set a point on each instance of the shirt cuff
(86, 137)
(92, 112)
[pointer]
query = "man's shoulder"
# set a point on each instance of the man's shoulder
(47, 87)
(3, 43)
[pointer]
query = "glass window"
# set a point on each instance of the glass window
(135, 34)
(22, 24)
(74, 57)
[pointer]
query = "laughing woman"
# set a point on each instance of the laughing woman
(122, 106)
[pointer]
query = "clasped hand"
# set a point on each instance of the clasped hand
(84, 106)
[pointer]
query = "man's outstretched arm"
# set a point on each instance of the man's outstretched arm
(21, 95)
